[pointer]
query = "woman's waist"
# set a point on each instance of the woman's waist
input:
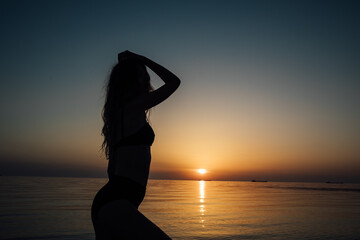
(131, 162)
(131, 151)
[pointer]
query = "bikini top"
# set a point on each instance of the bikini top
(145, 136)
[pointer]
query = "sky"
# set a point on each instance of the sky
(270, 89)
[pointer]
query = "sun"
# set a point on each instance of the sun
(202, 171)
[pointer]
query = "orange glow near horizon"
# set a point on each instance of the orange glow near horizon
(253, 143)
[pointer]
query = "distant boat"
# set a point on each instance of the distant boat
(334, 182)
(259, 180)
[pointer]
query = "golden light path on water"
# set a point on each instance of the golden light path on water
(202, 201)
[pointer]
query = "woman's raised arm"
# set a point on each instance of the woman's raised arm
(151, 99)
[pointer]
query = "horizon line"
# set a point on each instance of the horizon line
(212, 180)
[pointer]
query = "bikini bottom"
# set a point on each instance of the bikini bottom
(117, 188)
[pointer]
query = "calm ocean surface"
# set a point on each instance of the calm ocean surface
(59, 208)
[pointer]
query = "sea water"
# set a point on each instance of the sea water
(59, 208)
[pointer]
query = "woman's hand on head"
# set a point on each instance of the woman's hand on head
(127, 55)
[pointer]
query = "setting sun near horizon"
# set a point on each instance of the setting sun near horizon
(202, 171)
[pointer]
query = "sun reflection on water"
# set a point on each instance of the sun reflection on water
(202, 201)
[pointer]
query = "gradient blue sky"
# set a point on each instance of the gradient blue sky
(270, 89)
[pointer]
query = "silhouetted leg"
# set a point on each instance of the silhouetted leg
(121, 220)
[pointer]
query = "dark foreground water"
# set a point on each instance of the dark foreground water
(59, 208)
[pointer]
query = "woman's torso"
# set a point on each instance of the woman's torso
(130, 157)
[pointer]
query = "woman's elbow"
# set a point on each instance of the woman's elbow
(177, 81)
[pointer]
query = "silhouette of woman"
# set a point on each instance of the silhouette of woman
(127, 140)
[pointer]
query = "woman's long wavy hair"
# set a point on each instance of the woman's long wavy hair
(127, 80)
